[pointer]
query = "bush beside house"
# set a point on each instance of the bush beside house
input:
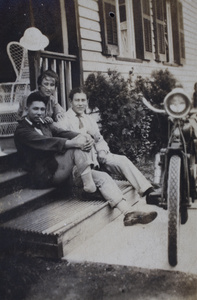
(127, 125)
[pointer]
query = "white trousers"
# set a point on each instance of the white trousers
(122, 166)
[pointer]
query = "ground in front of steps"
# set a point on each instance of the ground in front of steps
(31, 278)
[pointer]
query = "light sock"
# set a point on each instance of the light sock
(123, 207)
(88, 182)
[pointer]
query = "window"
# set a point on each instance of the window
(126, 29)
(117, 27)
(143, 29)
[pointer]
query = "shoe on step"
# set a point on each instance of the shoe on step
(138, 217)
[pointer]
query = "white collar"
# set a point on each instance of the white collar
(75, 114)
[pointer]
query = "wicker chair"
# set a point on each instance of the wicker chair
(12, 92)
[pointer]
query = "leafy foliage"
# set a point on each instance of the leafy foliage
(157, 86)
(154, 89)
(127, 125)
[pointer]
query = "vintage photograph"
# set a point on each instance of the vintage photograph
(98, 149)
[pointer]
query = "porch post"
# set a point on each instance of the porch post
(34, 68)
(64, 26)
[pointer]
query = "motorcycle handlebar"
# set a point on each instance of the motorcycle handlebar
(193, 111)
(148, 105)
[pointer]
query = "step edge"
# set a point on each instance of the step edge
(13, 176)
(33, 197)
(79, 218)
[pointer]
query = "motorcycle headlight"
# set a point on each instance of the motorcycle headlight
(177, 103)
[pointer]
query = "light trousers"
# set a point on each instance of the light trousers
(120, 165)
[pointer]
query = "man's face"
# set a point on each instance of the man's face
(47, 86)
(35, 111)
(79, 103)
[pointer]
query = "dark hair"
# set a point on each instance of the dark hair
(76, 90)
(35, 96)
(49, 73)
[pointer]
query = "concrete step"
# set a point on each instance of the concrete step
(23, 200)
(12, 180)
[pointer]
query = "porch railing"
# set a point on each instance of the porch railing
(38, 62)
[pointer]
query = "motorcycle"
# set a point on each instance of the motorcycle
(175, 169)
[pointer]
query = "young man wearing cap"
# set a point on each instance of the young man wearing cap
(49, 155)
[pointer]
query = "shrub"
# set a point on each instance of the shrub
(125, 121)
(127, 125)
(154, 89)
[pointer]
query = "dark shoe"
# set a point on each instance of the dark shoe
(138, 217)
(153, 198)
(148, 191)
(91, 196)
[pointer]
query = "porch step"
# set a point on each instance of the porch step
(50, 222)
(58, 227)
(12, 180)
(21, 201)
(9, 159)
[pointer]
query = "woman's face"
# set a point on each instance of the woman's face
(47, 86)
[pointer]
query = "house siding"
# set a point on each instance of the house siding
(93, 60)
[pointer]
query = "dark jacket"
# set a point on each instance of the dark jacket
(37, 151)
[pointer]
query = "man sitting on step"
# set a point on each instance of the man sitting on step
(49, 154)
(118, 166)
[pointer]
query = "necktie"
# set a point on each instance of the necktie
(81, 125)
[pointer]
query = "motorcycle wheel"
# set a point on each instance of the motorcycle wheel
(173, 203)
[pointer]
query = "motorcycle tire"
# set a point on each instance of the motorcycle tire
(173, 203)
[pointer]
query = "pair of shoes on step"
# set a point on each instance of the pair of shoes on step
(138, 217)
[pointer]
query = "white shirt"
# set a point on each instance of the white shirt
(71, 122)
